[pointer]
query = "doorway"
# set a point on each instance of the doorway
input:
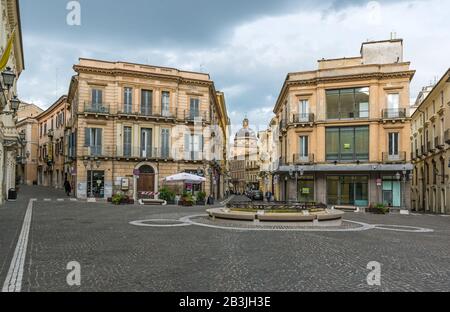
(146, 182)
(97, 187)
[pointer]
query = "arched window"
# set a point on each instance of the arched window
(146, 169)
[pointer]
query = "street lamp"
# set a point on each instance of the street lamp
(15, 102)
(8, 77)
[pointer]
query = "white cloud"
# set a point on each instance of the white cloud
(251, 64)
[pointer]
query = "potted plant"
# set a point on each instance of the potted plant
(117, 199)
(167, 195)
(187, 199)
(201, 199)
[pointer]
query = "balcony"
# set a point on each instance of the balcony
(98, 151)
(398, 158)
(301, 159)
(447, 136)
(360, 114)
(142, 153)
(394, 113)
(303, 118)
(196, 116)
(438, 143)
(430, 148)
(148, 113)
(96, 108)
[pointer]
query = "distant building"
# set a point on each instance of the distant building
(430, 142)
(244, 164)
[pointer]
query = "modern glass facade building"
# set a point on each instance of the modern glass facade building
(344, 131)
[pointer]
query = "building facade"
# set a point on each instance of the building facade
(51, 153)
(28, 153)
(132, 125)
(430, 142)
(344, 130)
(244, 162)
(11, 47)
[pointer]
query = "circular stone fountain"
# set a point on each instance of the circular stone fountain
(312, 217)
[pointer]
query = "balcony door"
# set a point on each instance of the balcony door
(393, 146)
(127, 136)
(146, 102)
(303, 148)
(146, 143)
(393, 105)
(303, 110)
(165, 103)
(128, 100)
(194, 109)
(93, 140)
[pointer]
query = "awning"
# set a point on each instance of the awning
(185, 178)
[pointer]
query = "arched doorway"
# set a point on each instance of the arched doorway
(146, 182)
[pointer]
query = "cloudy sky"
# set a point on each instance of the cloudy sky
(248, 46)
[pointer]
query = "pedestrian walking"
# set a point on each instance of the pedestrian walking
(67, 187)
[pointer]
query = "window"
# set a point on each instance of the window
(347, 143)
(146, 143)
(127, 137)
(393, 104)
(128, 100)
(304, 148)
(393, 144)
(97, 97)
(194, 108)
(348, 190)
(165, 103)
(146, 102)
(442, 98)
(93, 140)
(305, 189)
(348, 103)
(165, 143)
(303, 110)
(193, 146)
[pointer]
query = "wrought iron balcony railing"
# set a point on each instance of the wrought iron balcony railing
(394, 113)
(302, 159)
(96, 108)
(394, 158)
(303, 118)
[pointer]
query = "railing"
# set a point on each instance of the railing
(142, 153)
(303, 118)
(389, 158)
(98, 151)
(438, 143)
(393, 113)
(96, 108)
(300, 159)
(430, 148)
(360, 114)
(192, 116)
(151, 112)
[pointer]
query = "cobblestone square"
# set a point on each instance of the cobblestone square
(115, 255)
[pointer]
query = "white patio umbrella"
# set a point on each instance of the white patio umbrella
(186, 178)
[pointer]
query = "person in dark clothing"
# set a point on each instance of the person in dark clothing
(67, 187)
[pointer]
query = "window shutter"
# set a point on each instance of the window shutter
(87, 137)
(99, 140)
(187, 146)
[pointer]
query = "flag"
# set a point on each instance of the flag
(5, 57)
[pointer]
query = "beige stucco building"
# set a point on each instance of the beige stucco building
(430, 142)
(51, 132)
(245, 162)
(28, 152)
(132, 125)
(344, 130)
(10, 27)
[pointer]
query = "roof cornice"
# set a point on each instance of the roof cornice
(137, 74)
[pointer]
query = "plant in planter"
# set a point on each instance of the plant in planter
(382, 209)
(167, 195)
(187, 199)
(117, 199)
(201, 198)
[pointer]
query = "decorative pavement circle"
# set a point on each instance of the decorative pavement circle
(204, 221)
